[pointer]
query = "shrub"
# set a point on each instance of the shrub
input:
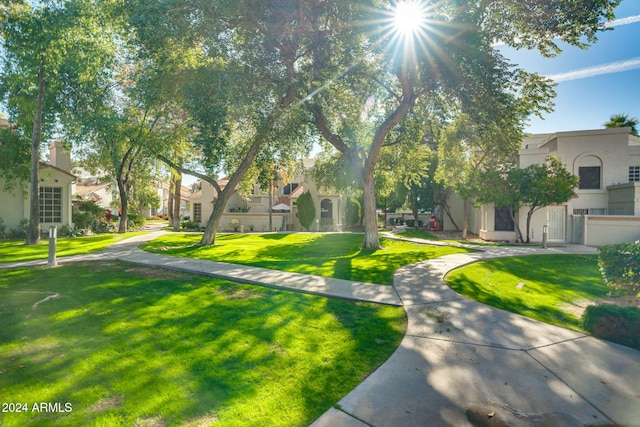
(352, 211)
(3, 228)
(89, 215)
(66, 231)
(620, 266)
(613, 323)
(135, 221)
(306, 210)
(234, 224)
(190, 225)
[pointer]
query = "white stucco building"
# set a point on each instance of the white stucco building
(606, 206)
(55, 189)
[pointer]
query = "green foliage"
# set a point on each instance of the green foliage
(621, 121)
(352, 211)
(89, 215)
(190, 225)
(613, 323)
(135, 221)
(306, 210)
(534, 187)
(234, 224)
(620, 266)
(14, 161)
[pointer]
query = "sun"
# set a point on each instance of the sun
(408, 17)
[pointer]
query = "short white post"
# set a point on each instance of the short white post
(53, 237)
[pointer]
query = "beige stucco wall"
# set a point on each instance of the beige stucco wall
(13, 205)
(605, 230)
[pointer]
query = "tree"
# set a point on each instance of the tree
(535, 187)
(471, 146)
(306, 210)
(623, 121)
(52, 50)
(229, 79)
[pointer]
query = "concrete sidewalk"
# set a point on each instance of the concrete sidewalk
(461, 363)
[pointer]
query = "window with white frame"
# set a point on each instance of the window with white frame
(50, 204)
(634, 173)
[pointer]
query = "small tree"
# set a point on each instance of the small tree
(306, 210)
(352, 211)
(536, 186)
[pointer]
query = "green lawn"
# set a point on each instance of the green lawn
(328, 255)
(541, 287)
(15, 251)
(131, 345)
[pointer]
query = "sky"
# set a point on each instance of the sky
(593, 84)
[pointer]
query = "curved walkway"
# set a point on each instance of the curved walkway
(461, 363)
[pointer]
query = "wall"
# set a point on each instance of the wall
(605, 230)
(13, 206)
(624, 199)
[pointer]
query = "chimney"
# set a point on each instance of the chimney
(59, 157)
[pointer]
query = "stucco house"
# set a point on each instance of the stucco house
(606, 206)
(252, 211)
(55, 188)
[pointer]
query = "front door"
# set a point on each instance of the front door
(556, 218)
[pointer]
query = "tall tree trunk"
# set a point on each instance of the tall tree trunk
(177, 194)
(33, 234)
(124, 205)
(516, 223)
(465, 219)
(170, 211)
(529, 216)
(209, 236)
(369, 215)
(270, 205)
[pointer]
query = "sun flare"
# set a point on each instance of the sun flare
(408, 17)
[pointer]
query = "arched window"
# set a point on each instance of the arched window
(590, 172)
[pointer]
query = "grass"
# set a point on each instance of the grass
(15, 251)
(413, 233)
(131, 345)
(329, 255)
(542, 287)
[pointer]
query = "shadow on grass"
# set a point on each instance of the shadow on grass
(125, 343)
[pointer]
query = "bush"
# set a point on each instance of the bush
(190, 225)
(89, 215)
(66, 231)
(352, 211)
(620, 266)
(306, 210)
(234, 224)
(613, 323)
(135, 221)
